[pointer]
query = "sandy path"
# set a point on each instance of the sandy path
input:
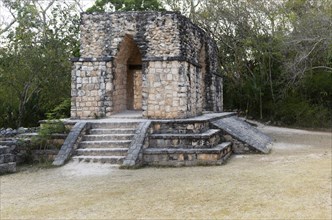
(293, 182)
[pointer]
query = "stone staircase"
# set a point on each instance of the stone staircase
(106, 142)
(185, 143)
(209, 139)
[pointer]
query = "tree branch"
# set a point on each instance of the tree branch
(8, 27)
(320, 67)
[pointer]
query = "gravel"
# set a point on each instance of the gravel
(292, 182)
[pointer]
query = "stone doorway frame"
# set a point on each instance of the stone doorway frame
(127, 78)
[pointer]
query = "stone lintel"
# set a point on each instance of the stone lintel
(197, 119)
(173, 58)
(91, 59)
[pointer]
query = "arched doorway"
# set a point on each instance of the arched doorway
(127, 93)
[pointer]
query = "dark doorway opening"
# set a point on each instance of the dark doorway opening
(127, 93)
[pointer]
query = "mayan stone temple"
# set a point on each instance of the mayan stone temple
(163, 69)
(159, 63)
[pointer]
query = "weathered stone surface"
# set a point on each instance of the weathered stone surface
(158, 62)
(186, 142)
(250, 137)
(187, 157)
(175, 142)
(70, 144)
(106, 142)
(206, 139)
(8, 168)
(7, 160)
(134, 157)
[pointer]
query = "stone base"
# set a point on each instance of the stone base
(187, 157)
(8, 168)
(7, 160)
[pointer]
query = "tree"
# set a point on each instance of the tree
(34, 65)
(188, 8)
(126, 5)
(309, 45)
(273, 54)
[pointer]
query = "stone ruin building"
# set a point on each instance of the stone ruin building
(159, 63)
(162, 66)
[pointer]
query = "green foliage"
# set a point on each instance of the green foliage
(52, 127)
(34, 64)
(45, 140)
(295, 111)
(60, 111)
(275, 58)
(126, 5)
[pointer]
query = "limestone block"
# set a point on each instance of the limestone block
(208, 157)
(169, 77)
(8, 168)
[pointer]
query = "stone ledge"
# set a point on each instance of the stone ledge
(216, 150)
(188, 157)
(91, 59)
(4, 150)
(245, 133)
(70, 143)
(134, 157)
(8, 168)
(171, 58)
(202, 118)
(206, 134)
(130, 124)
(7, 158)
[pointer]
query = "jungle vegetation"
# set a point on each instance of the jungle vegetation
(275, 56)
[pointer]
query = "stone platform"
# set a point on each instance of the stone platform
(128, 140)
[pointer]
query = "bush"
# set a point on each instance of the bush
(60, 111)
(298, 112)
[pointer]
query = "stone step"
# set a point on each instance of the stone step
(112, 131)
(179, 126)
(207, 139)
(105, 137)
(105, 144)
(188, 157)
(102, 152)
(114, 125)
(100, 159)
(6, 143)
(220, 148)
(241, 131)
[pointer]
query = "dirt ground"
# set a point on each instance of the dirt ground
(292, 182)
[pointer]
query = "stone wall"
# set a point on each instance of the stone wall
(177, 61)
(137, 74)
(90, 88)
(164, 90)
(7, 160)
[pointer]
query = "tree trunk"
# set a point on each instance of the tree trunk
(260, 104)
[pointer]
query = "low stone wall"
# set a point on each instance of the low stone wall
(178, 127)
(71, 143)
(7, 160)
(135, 152)
(238, 146)
(26, 151)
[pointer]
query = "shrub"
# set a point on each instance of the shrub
(299, 112)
